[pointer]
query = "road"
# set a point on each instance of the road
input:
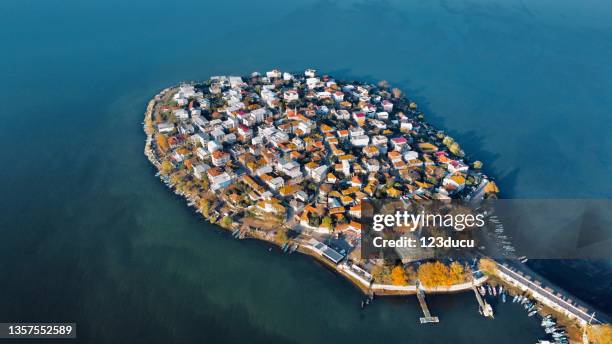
(550, 296)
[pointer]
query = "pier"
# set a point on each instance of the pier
(427, 318)
(485, 308)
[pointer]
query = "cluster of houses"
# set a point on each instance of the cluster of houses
(310, 147)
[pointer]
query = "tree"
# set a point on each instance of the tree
(162, 142)
(380, 273)
(314, 220)
(457, 273)
(327, 222)
(487, 265)
(226, 221)
(281, 236)
(166, 167)
(204, 207)
(398, 276)
(599, 334)
(437, 274)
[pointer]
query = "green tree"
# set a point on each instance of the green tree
(327, 222)
(281, 236)
(226, 221)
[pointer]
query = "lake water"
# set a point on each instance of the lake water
(89, 235)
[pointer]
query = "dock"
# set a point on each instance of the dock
(427, 318)
(485, 308)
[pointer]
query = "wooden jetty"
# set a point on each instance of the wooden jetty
(485, 308)
(427, 316)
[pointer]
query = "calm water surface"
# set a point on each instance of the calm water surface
(87, 234)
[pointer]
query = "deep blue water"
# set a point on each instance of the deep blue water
(89, 235)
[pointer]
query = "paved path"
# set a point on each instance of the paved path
(550, 296)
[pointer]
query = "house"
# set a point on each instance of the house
(199, 170)
(411, 155)
(201, 138)
(343, 114)
(165, 127)
(338, 96)
(331, 178)
(380, 141)
(359, 117)
(405, 126)
(213, 146)
(181, 114)
(217, 134)
(398, 143)
(312, 82)
(383, 116)
(287, 76)
(318, 174)
(370, 151)
(291, 95)
(387, 105)
(394, 156)
(373, 165)
(310, 73)
(220, 158)
(218, 179)
(455, 182)
(275, 73)
(244, 131)
(301, 195)
(229, 138)
(360, 141)
(202, 153)
(235, 81)
(356, 182)
(325, 251)
(272, 206)
(356, 131)
(323, 95)
(274, 183)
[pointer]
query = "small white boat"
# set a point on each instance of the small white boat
(482, 290)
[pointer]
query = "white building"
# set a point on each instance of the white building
(165, 127)
(310, 73)
(291, 95)
(360, 141)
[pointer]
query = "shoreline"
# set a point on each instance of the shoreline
(379, 290)
(342, 269)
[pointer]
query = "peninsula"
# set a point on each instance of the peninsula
(289, 158)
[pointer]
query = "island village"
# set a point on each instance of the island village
(288, 158)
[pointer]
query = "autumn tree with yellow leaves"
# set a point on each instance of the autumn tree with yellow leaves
(436, 274)
(487, 265)
(599, 334)
(398, 276)
(162, 142)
